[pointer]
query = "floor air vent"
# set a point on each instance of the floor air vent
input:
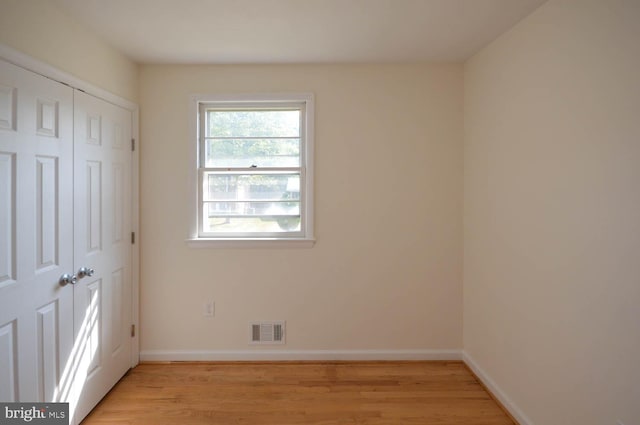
(267, 333)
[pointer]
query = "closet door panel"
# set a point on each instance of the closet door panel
(103, 307)
(36, 235)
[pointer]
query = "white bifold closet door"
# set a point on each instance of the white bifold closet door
(65, 204)
(102, 242)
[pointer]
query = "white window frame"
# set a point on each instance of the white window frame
(304, 238)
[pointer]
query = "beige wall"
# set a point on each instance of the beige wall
(385, 272)
(41, 30)
(552, 212)
(551, 206)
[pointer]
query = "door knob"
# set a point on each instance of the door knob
(85, 271)
(68, 278)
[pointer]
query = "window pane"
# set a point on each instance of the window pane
(251, 224)
(256, 203)
(253, 123)
(272, 187)
(249, 209)
(249, 152)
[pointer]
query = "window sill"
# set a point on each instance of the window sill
(250, 243)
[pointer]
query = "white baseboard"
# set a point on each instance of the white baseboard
(284, 355)
(513, 409)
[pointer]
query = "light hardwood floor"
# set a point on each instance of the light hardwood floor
(322, 393)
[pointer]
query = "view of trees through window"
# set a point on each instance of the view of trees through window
(252, 182)
(248, 138)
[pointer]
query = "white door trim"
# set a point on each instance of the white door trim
(27, 62)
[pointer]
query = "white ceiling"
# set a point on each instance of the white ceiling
(300, 31)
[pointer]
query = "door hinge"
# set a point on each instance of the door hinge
(133, 238)
(133, 331)
(133, 145)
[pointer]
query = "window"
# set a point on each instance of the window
(254, 168)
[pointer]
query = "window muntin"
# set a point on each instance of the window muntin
(252, 170)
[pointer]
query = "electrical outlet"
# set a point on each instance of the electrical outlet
(209, 309)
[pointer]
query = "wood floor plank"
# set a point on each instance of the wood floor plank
(292, 393)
